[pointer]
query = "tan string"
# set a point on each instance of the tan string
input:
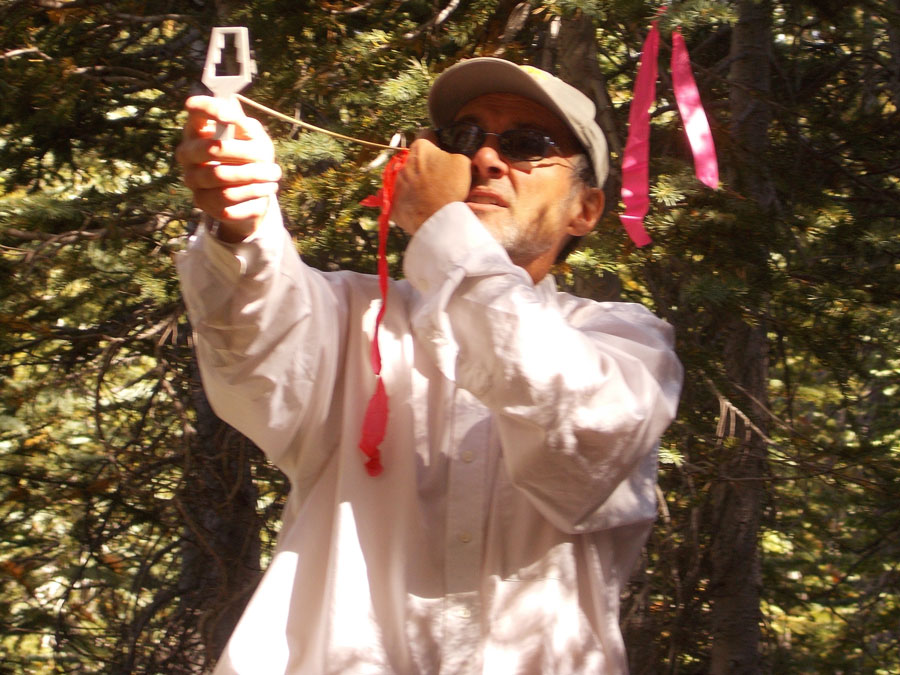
(310, 127)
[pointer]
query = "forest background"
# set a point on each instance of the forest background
(134, 524)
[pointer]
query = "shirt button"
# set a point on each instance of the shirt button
(465, 537)
(464, 613)
(468, 456)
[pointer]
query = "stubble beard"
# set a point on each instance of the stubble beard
(525, 244)
(521, 245)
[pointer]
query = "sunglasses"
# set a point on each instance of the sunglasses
(526, 145)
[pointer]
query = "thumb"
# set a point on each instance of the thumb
(231, 121)
(205, 112)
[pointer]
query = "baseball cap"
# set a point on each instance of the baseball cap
(471, 78)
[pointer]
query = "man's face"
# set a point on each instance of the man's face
(530, 207)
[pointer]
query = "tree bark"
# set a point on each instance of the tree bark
(736, 504)
(221, 543)
(750, 87)
(576, 49)
(893, 67)
(738, 496)
(570, 46)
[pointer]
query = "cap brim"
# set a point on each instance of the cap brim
(470, 79)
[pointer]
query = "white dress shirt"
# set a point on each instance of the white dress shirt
(519, 460)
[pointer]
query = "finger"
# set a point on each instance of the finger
(204, 112)
(212, 176)
(203, 151)
(220, 199)
(222, 205)
(427, 156)
(243, 127)
(426, 140)
(426, 133)
(239, 194)
(249, 210)
(257, 172)
(241, 149)
(201, 108)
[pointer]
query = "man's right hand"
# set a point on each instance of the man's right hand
(232, 180)
(431, 179)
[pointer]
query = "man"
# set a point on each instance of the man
(520, 453)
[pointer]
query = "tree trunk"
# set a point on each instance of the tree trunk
(737, 501)
(571, 45)
(893, 67)
(576, 50)
(738, 496)
(749, 79)
(221, 544)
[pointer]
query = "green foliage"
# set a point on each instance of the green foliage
(820, 274)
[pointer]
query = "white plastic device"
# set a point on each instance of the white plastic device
(227, 85)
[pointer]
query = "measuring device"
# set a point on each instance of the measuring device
(229, 67)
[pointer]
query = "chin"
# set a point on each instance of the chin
(489, 214)
(500, 227)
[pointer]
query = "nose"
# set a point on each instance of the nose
(487, 161)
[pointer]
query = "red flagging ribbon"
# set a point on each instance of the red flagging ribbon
(635, 161)
(375, 419)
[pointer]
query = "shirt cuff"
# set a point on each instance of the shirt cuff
(235, 260)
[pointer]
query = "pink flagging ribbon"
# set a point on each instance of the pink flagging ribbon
(693, 116)
(635, 161)
(375, 419)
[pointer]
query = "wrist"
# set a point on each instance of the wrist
(230, 233)
(236, 231)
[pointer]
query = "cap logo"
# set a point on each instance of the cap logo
(537, 73)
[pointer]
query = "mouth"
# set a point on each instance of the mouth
(483, 198)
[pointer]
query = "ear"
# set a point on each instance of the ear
(590, 208)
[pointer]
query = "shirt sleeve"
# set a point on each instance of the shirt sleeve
(267, 334)
(581, 390)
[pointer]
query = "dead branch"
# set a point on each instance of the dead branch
(20, 52)
(434, 21)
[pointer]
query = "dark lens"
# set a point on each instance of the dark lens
(461, 137)
(525, 144)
